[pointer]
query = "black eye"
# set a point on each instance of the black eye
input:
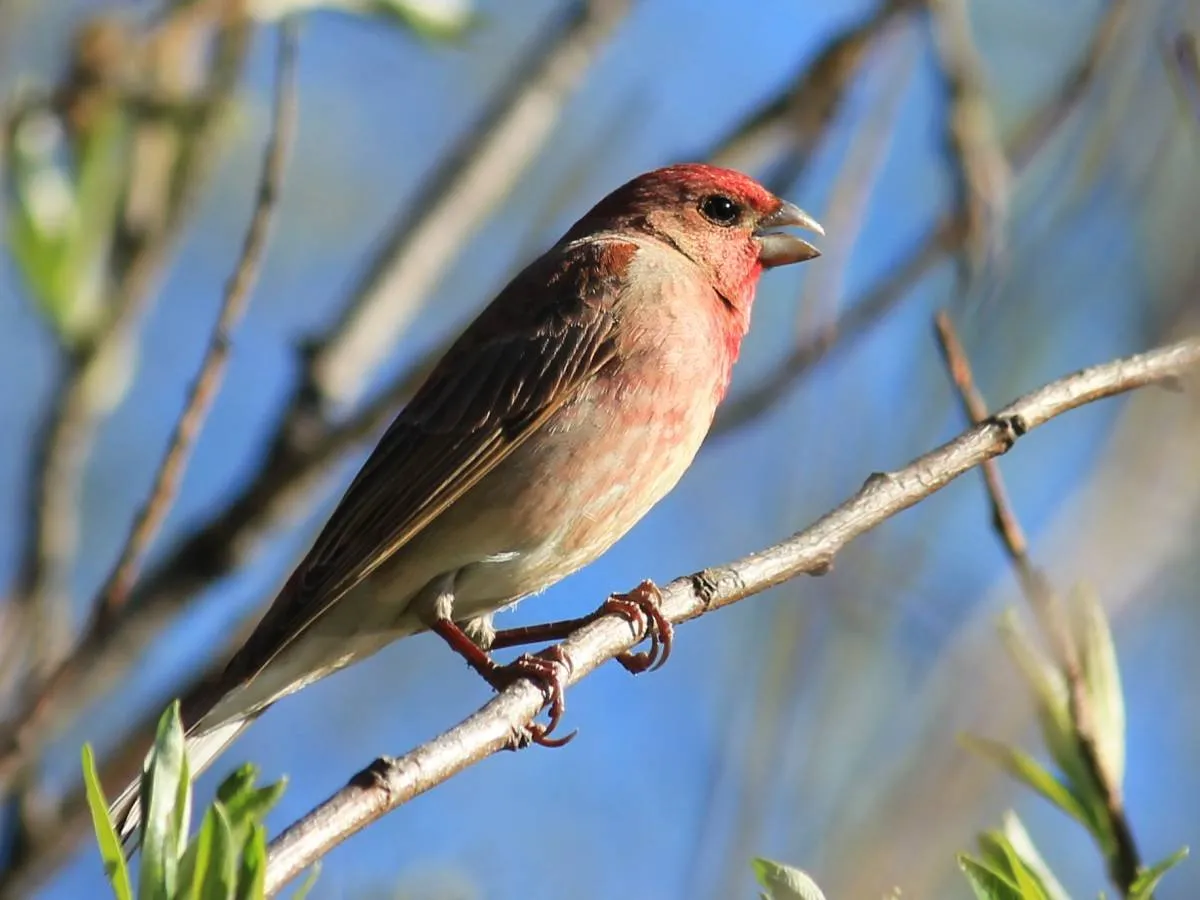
(720, 209)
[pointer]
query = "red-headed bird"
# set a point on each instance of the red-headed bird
(565, 411)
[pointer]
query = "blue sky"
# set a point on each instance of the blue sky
(632, 806)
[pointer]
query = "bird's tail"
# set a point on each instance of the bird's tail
(201, 749)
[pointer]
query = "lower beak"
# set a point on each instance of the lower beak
(779, 248)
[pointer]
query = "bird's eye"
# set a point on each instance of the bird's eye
(720, 209)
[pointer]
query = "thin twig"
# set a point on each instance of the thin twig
(455, 202)
(390, 782)
(795, 121)
(1036, 132)
(1183, 62)
(982, 175)
(860, 317)
(303, 451)
(947, 236)
(1125, 862)
(212, 370)
(63, 441)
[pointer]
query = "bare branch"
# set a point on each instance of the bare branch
(860, 316)
(982, 176)
(1042, 125)
(796, 120)
(305, 447)
(456, 201)
(947, 236)
(212, 370)
(390, 782)
(79, 403)
(1125, 862)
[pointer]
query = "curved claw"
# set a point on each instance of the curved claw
(547, 674)
(642, 607)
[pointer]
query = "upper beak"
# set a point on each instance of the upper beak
(779, 248)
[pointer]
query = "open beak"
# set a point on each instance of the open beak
(776, 248)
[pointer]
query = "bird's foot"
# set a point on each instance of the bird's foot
(642, 607)
(549, 671)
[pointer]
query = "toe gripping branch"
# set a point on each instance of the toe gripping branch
(548, 671)
(641, 607)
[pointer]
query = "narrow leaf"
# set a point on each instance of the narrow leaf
(1022, 844)
(252, 878)
(115, 869)
(999, 855)
(1024, 768)
(164, 770)
(1148, 879)
(220, 875)
(784, 882)
(1050, 698)
(309, 881)
(986, 882)
(1103, 679)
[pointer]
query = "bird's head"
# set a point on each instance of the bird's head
(723, 221)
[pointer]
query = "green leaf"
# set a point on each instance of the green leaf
(1000, 855)
(1148, 879)
(1051, 700)
(1022, 844)
(307, 884)
(219, 878)
(115, 869)
(784, 882)
(60, 229)
(252, 879)
(433, 20)
(1024, 768)
(245, 804)
(165, 782)
(986, 882)
(1098, 658)
(194, 864)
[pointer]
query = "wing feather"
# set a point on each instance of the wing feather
(544, 337)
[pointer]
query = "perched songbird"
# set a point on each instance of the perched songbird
(566, 410)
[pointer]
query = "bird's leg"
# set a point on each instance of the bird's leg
(641, 607)
(544, 671)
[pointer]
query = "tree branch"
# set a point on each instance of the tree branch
(212, 370)
(79, 403)
(1125, 862)
(304, 447)
(981, 169)
(455, 202)
(798, 118)
(390, 782)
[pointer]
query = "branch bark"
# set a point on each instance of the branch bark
(390, 782)
(216, 358)
(1124, 863)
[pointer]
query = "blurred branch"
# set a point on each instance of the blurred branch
(83, 393)
(212, 370)
(304, 448)
(1184, 63)
(469, 185)
(390, 782)
(306, 442)
(1124, 862)
(1041, 126)
(982, 176)
(947, 236)
(796, 120)
(860, 316)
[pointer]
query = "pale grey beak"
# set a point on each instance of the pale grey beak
(782, 249)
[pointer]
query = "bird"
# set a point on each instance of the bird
(564, 412)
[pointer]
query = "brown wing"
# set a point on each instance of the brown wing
(547, 334)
